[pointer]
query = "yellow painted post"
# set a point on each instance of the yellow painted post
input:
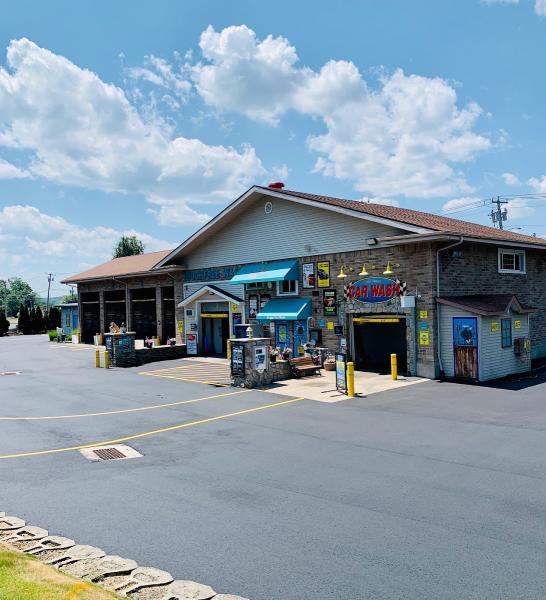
(394, 367)
(97, 359)
(350, 380)
(228, 349)
(106, 360)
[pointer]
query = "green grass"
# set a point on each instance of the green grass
(23, 577)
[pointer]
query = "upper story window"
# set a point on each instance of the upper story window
(255, 285)
(287, 288)
(511, 261)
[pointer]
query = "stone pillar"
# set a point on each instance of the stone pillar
(179, 312)
(121, 349)
(159, 314)
(128, 311)
(103, 327)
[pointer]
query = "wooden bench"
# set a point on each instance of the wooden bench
(303, 365)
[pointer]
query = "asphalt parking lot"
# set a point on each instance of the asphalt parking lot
(431, 491)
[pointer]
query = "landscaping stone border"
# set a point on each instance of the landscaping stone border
(114, 573)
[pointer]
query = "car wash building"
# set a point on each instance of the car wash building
(367, 279)
(129, 290)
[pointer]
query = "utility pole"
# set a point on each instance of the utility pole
(499, 215)
(49, 280)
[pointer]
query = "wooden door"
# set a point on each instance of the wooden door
(466, 362)
(465, 347)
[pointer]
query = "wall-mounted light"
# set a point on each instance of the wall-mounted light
(342, 274)
(388, 270)
(364, 270)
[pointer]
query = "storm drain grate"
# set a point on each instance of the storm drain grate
(109, 454)
(4, 373)
(115, 452)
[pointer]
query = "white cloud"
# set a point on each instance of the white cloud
(461, 204)
(84, 132)
(537, 185)
(511, 179)
(404, 138)
(9, 171)
(44, 242)
(519, 209)
(540, 8)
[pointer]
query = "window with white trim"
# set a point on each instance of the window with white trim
(511, 261)
(287, 287)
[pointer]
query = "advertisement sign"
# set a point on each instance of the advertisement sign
(373, 290)
(308, 270)
(341, 373)
(465, 331)
(329, 303)
(494, 326)
(180, 328)
(237, 359)
(423, 314)
(323, 274)
(252, 306)
(517, 324)
(191, 343)
(260, 358)
(423, 338)
(282, 333)
(236, 319)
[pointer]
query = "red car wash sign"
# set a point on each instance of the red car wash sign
(373, 290)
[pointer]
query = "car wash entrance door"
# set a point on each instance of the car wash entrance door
(144, 313)
(465, 347)
(375, 339)
(90, 316)
(214, 333)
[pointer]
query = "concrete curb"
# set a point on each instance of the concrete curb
(114, 573)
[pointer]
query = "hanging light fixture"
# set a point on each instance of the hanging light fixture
(342, 273)
(364, 270)
(388, 270)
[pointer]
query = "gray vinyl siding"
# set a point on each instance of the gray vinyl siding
(290, 230)
(496, 361)
(233, 289)
(493, 360)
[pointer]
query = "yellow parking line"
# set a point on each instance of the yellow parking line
(126, 410)
(186, 379)
(154, 431)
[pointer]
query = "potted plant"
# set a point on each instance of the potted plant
(286, 352)
(330, 363)
(273, 353)
(75, 336)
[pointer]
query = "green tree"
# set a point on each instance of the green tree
(53, 318)
(40, 324)
(4, 323)
(32, 319)
(128, 245)
(17, 292)
(23, 324)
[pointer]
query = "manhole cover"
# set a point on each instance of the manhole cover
(4, 373)
(114, 452)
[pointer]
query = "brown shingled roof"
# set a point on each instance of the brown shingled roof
(419, 219)
(127, 265)
(487, 304)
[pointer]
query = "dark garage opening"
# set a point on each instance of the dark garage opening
(115, 308)
(375, 341)
(169, 327)
(90, 323)
(144, 321)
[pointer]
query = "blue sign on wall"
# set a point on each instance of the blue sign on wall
(373, 289)
(465, 331)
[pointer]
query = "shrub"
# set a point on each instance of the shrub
(4, 323)
(52, 333)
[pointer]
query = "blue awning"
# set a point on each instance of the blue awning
(286, 309)
(275, 271)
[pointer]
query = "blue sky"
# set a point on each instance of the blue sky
(150, 117)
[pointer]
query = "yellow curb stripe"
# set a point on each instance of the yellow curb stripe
(125, 410)
(154, 431)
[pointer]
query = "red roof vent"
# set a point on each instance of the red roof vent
(276, 185)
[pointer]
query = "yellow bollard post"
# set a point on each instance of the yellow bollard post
(106, 360)
(350, 380)
(394, 367)
(97, 359)
(228, 349)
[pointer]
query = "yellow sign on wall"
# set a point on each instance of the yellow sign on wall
(181, 327)
(423, 314)
(234, 307)
(330, 325)
(494, 326)
(423, 338)
(517, 324)
(323, 274)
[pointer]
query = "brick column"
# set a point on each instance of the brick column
(179, 312)
(102, 312)
(159, 313)
(129, 316)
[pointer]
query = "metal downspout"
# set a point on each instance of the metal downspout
(438, 344)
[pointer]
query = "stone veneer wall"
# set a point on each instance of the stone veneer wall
(121, 349)
(158, 353)
(276, 371)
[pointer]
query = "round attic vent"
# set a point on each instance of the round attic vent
(268, 208)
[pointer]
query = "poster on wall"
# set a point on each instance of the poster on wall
(237, 359)
(282, 334)
(252, 306)
(236, 319)
(191, 343)
(264, 299)
(323, 274)
(329, 303)
(308, 270)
